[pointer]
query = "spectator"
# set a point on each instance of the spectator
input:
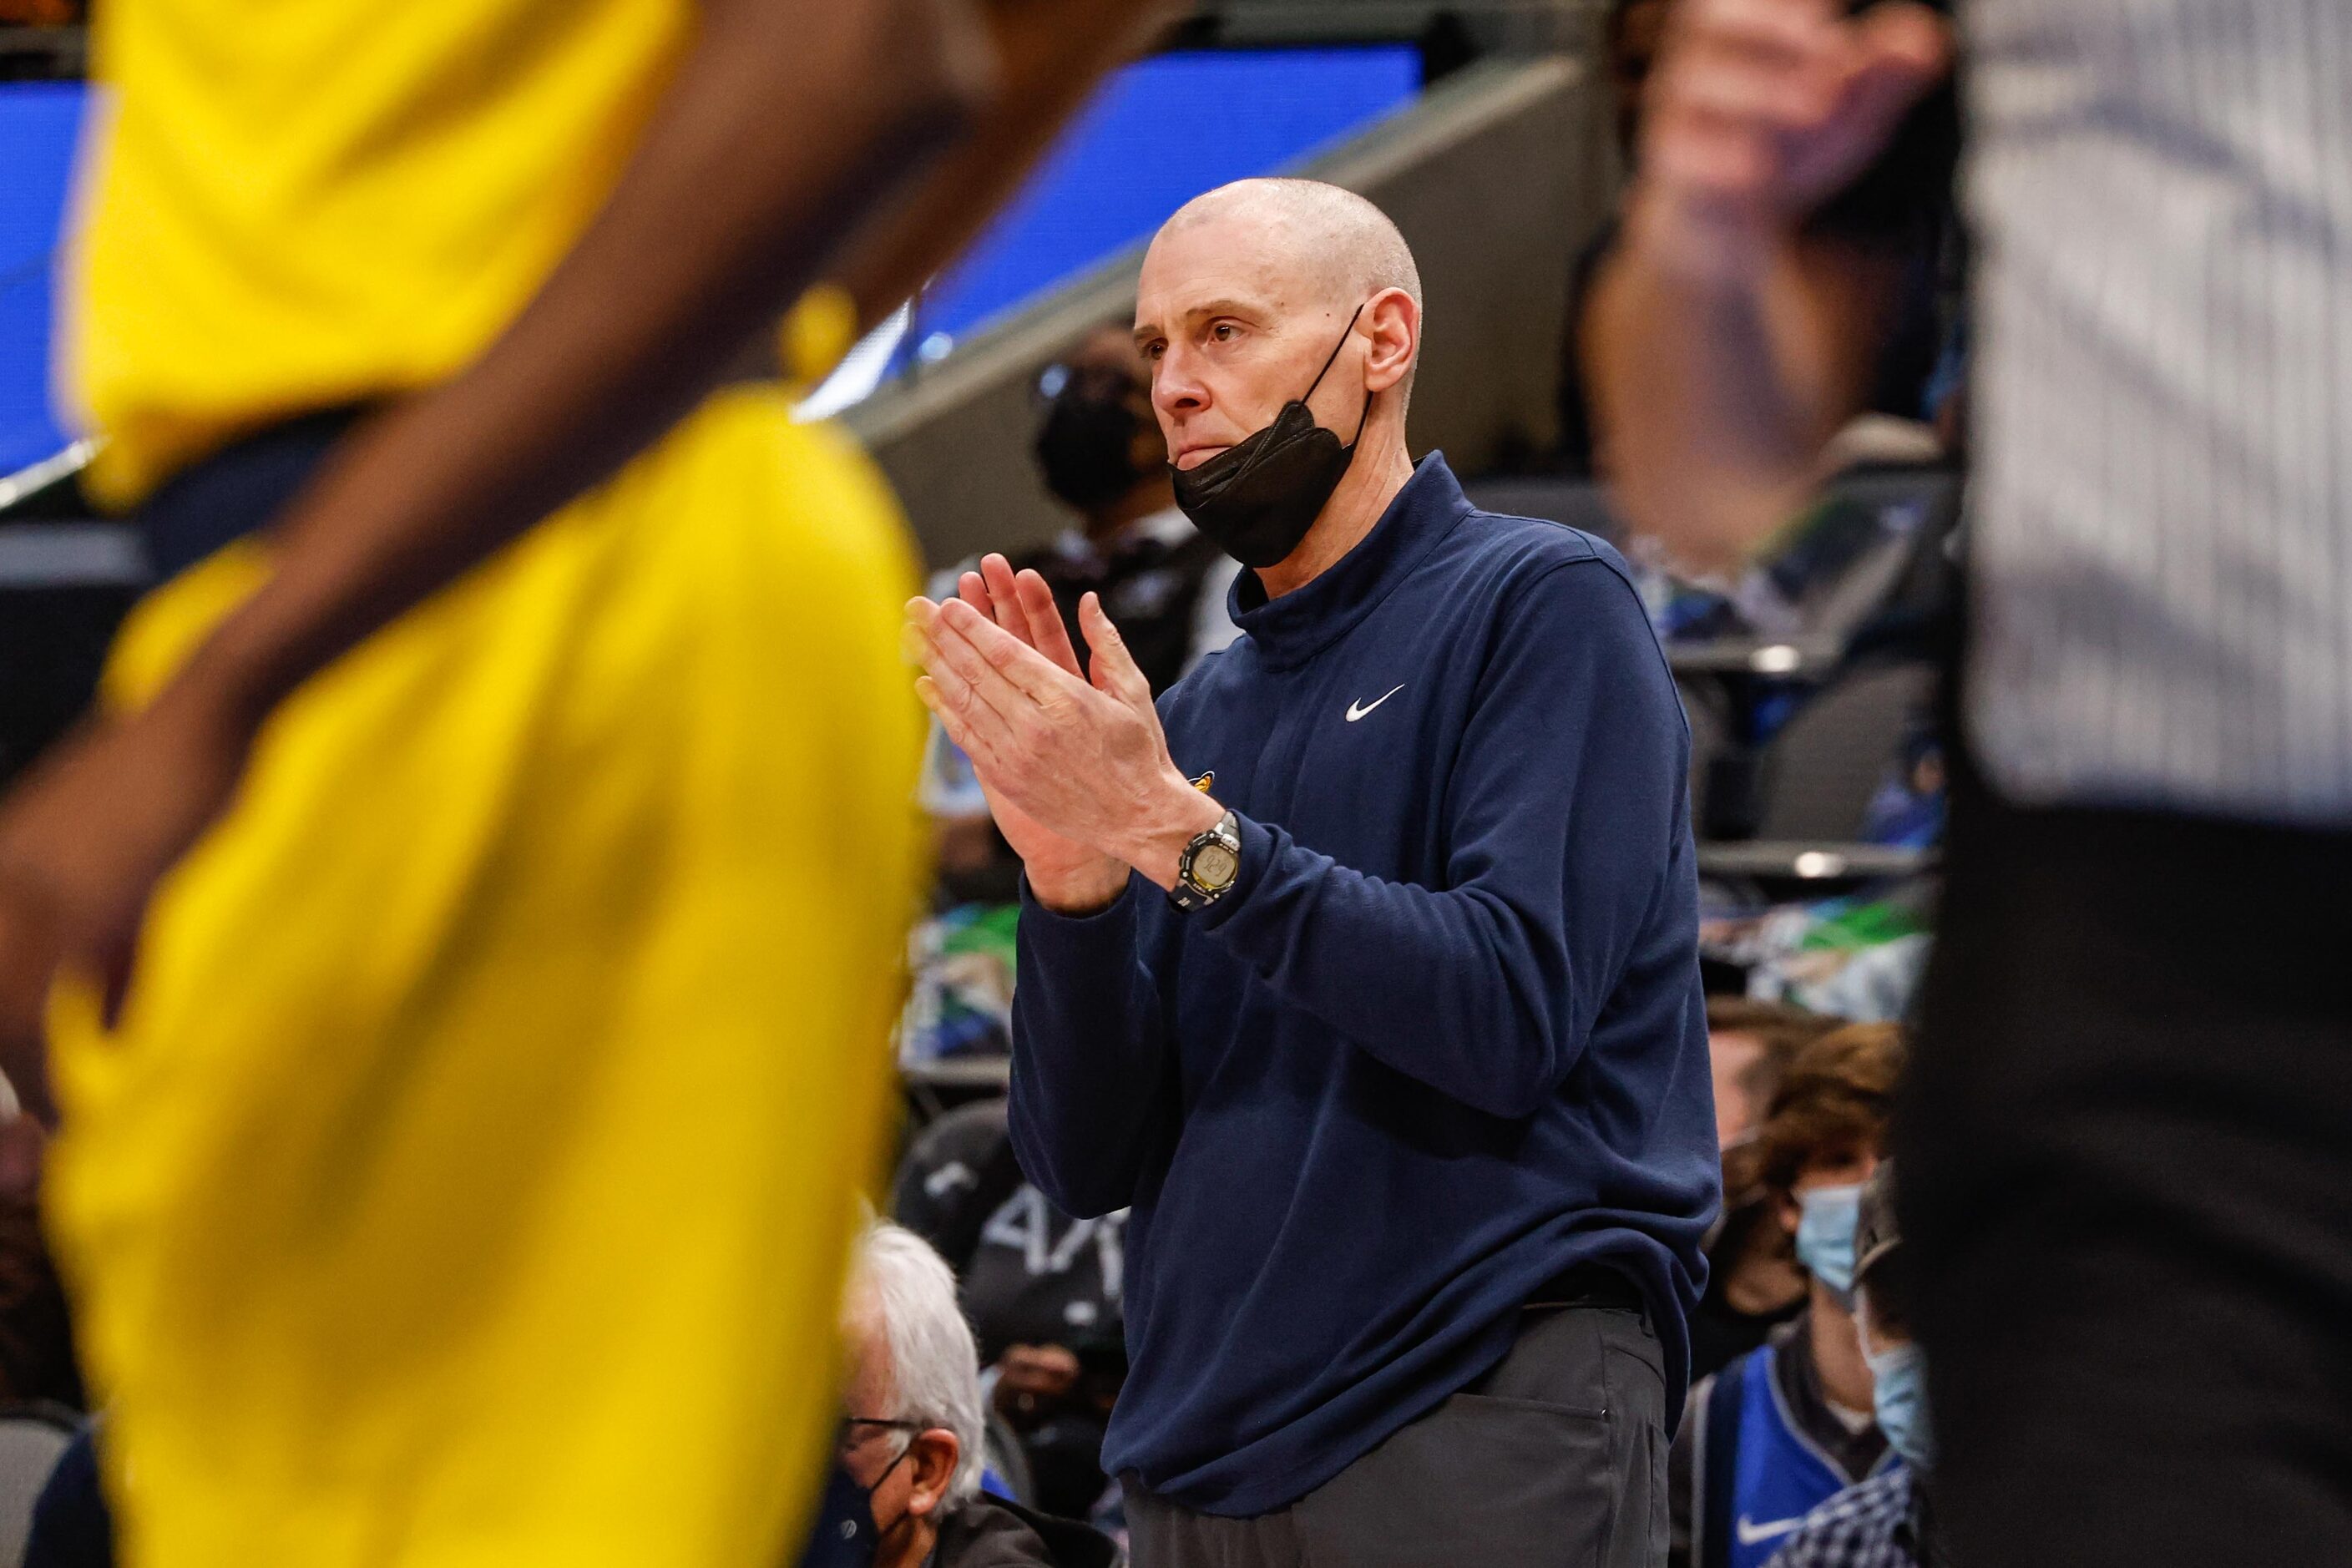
(911, 1425)
(1100, 452)
(1041, 1290)
(1749, 1046)
(1784, 1428)
(1884, 1521)
(1753, 1283)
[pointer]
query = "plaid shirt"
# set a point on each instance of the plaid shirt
(1868, 1525)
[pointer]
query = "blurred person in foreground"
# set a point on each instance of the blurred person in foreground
(1404, 1075)
(525, 833)
(1787, 1426)
(911, 1427)
(1754, 1283)
(1160, 580)
(1885, 1522)
(2126, 1142)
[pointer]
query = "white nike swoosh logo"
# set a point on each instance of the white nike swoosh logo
(1356, 712)
(1750, 1535)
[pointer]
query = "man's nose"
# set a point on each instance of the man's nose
(1175, 389)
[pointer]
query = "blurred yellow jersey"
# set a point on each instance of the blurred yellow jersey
(289, 205)
(471, 1177)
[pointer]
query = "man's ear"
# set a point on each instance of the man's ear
(1393, 321)
(931, 1465)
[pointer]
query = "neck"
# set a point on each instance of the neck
(910, 1546)
(1837, 1351)
(1379, 470)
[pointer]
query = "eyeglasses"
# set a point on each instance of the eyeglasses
(847, 1436)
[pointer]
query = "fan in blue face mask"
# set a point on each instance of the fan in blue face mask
(1826, 1235)
(1900, 1396)
(1881, 1281)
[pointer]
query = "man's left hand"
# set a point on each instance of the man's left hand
(1089, 761)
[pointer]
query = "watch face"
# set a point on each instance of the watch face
(1214, 866)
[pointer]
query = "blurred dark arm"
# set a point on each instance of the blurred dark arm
(1050, 56)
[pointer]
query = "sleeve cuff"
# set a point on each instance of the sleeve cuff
(1259, 849)
(1034, 910)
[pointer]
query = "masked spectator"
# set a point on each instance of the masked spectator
(1884, 1521)
(1100, 452)
(1783, 1429)
(911, 1426)
(1753, 1284)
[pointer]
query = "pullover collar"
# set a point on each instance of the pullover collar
(1292, 629)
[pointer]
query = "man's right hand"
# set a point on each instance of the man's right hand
(1759, 111)
(1065, 876)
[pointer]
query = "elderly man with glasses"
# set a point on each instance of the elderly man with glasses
(911, 1429)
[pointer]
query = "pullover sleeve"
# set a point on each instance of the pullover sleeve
(1565, 821)
(1089, 1055)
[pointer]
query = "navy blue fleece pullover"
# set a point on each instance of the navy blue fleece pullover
(1443, 1040)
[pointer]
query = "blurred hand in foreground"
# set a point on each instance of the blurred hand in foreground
(1761, 110)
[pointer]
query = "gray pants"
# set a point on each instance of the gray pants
(1556, 1456)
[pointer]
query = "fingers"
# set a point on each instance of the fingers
(948, 686)
(1114, 668)
(1909, 35)
(1004, 598)
(1771, 105)
(972, 589)
(1902, 51)
(1048, 633)
(980, 649)
(990, 591)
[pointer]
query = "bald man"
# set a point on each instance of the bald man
(1405, 1078)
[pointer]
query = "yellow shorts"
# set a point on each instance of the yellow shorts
(472, 1175)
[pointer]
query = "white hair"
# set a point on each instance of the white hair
(934, 1370)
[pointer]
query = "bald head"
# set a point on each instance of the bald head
(1330, 242)
(1263, 289)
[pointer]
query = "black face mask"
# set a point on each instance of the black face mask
(1086, 445)
(847, 1534)
(1258, 498)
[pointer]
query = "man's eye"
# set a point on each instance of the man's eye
(1222, 332)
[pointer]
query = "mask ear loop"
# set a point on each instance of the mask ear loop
(1363, 418)
(1334, 358)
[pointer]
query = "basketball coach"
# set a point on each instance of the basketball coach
(1363, 970)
